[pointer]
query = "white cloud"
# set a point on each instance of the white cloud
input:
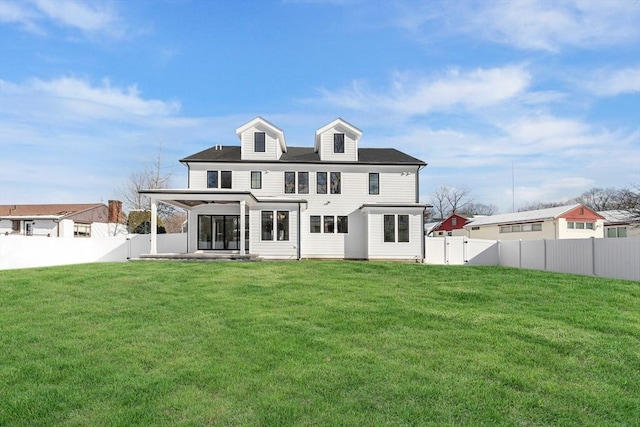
(550, 25)
(413, 95)
(527, 24)
(35, 15)
(78, 99)
(611, 83)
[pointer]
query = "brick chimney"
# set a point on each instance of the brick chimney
(115, 212)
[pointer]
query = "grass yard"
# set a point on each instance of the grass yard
(316, 343)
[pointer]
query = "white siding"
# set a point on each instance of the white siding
(326, 147)
(273, 151)
(566, 233)
(377, 248)
(287, 249)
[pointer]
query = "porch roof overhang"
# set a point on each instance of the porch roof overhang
(188, 199)
(374, 206)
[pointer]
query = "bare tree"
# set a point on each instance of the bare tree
(479, 209)
(447, 200)
(152, 176)
(629, 200)
(540, 205)
(600, 199)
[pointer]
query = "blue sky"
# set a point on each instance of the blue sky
(90, 91)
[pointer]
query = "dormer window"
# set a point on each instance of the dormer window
(338, 142)
(258, 142)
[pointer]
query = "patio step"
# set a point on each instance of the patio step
(197, 257)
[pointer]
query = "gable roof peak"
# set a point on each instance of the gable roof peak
(262, 123)
(338, 123)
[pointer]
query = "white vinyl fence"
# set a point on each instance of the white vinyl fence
(42, 251)
(614, 258)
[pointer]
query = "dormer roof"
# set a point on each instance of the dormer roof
(264, 126)
(341, 125)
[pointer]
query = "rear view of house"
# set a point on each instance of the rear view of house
(332, 199)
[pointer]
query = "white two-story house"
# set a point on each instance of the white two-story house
(331, 200)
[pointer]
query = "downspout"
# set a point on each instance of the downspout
(422, 242)
(299, 239)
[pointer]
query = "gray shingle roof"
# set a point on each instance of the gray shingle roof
(305, 155)
(535, 215)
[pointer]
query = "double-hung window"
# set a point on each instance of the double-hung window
(256, 179)
(321, 182)
(303, 182)
(267, 225)
(374, 183)
(338, 142)
(389, 228)
(283, 225)
(329, 224)
(259, 142)
(343, 224)
(289, 182)
(396, 228)
(225, 179)
(315, 225)
(212, 179)
(336, 178)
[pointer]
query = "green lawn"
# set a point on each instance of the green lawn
(316, 343)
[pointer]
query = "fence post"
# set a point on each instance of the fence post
(519, 253)
(544, 252)
(464, 250)
(446, 251)
(593, 255)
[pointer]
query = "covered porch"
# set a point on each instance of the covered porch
(217, 222)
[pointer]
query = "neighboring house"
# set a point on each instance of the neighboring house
(331, 200)
(63, 220)
(563, 222)
(451, 226)
(619, 223)
(429, 226)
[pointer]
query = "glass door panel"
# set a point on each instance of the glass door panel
(232, 232)
(204, 232)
